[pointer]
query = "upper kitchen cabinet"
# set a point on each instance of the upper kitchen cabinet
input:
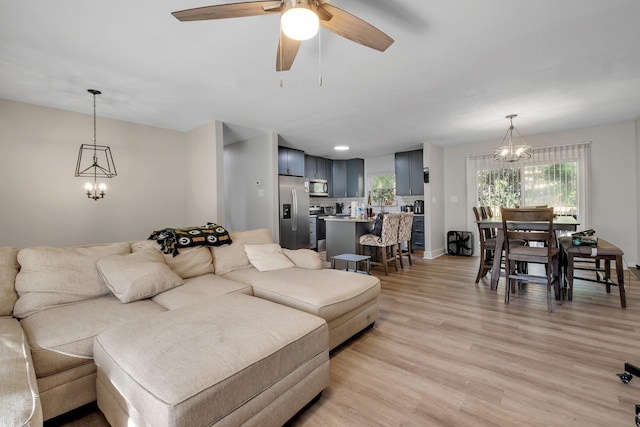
(290, 161)
(409, 173)
(317, 167)
(339, 178)
(348, 178)
(355, 178)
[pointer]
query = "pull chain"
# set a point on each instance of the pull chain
(280, 56)
(319, 59)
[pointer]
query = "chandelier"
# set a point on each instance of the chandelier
(512, 153)
(95, 161)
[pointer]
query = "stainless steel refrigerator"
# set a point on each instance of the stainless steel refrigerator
(294, 212)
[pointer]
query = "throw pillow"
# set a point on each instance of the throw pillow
(267, 257)
(304, 258)
(170, 239)
(8, 270)
(191, 262)
(233, 257)
(138, 275)
(51, 276)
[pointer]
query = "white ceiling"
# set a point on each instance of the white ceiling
(457, 67)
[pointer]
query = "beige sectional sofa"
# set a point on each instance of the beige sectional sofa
(105, 300)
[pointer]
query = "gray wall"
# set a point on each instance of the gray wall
(43, 203)
(250, 184)
(433, 158)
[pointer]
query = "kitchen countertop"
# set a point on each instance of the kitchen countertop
(347, 219)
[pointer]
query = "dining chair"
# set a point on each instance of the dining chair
(386, 242)
(487, 248)
(404, 235)
(532, 225)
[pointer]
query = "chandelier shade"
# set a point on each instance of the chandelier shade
(509, 152)
(95, 161)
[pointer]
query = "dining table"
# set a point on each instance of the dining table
(560, 223)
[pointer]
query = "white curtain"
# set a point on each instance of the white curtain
(579, 153)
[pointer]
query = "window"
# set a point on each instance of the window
(554, 176)
(383, 190)
(554, 185)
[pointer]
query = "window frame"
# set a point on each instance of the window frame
(579, 153)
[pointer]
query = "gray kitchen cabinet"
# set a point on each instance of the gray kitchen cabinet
(290, 161)
(409, 173)
(417, 233)
(310, 166)
(348, 178)
(355, 178)
(317, 167)
(339, 178)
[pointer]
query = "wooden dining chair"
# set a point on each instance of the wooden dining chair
(386, 242)
(487, 247)
(532, 225)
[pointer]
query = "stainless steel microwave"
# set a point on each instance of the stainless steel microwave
(319, 188)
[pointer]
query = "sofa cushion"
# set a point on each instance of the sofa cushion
(190, 262)
(304, 258)
(326, 293)
(231, 349)
(267, 257)
(233, 257)
(135, 276)
(199, 289)
(62, 337)
(8, 270)
(19, 402)
(50, 276)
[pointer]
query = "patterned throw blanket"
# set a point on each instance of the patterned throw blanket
(170, 239)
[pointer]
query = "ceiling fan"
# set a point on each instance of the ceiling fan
(319, 11)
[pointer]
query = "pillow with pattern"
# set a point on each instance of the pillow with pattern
(170, 239)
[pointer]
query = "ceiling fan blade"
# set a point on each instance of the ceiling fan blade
(322, 13)
(355, 29)
(231, 10)
(287, 51)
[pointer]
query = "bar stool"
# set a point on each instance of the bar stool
(388, 239)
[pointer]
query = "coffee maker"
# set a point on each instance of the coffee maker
(339, 208)
(418, 207)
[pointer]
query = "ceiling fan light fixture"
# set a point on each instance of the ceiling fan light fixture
(300, 23)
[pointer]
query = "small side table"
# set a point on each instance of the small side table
(355, 259)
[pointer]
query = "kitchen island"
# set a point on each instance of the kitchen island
(343, 234)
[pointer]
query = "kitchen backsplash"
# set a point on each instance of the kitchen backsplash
(330, 202)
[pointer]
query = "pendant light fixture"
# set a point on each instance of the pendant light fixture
(512, 153)
(95, 161)
(299, 22)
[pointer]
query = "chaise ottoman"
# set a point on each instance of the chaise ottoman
(230, 360)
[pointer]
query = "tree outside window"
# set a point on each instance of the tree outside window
(383, 190)
(554, 185)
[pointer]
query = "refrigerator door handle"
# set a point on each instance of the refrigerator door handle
(294, 222)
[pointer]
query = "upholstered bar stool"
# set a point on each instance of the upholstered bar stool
(387, 240)
(404, 235)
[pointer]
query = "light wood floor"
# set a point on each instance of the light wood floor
(447, 352)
